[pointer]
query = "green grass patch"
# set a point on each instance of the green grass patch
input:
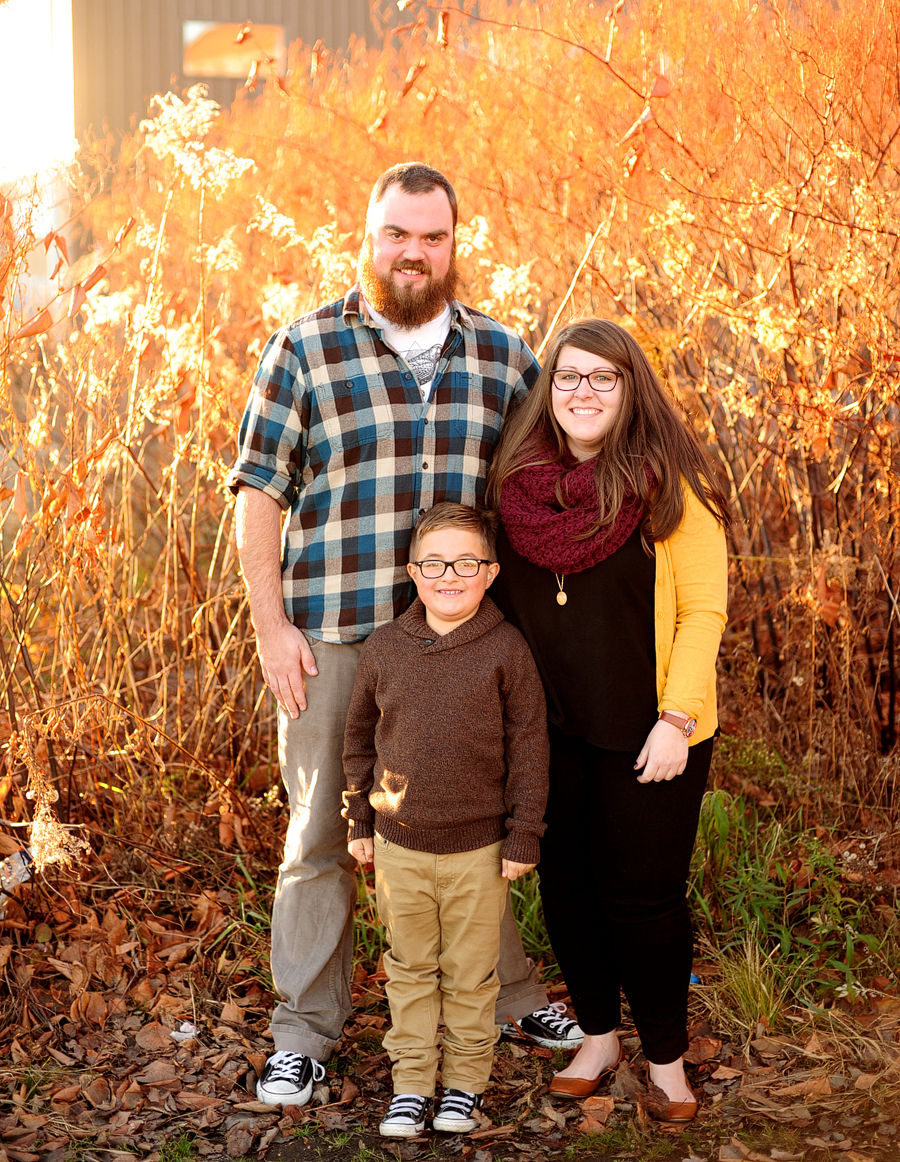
(180, 1149)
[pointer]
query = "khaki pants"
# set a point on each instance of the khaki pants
(442, 917)
(312, 930)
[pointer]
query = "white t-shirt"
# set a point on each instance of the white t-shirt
(420, 346)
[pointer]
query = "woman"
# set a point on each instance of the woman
(613, 565)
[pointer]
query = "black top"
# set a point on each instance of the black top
(597, 653)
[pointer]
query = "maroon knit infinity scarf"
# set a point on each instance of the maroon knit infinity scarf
(545, 534)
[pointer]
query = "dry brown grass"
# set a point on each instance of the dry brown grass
(745, 232)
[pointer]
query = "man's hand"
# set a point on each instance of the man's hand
(511, 870)
(362, 850)
(664, 754)
(284, 652)
(285, 655)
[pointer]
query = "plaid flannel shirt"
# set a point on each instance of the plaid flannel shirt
(336, 430)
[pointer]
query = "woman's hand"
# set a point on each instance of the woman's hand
(664, 754)
(362, 850)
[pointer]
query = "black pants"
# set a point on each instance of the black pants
(614, 865)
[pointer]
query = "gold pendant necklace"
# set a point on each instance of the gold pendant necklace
(561, 597)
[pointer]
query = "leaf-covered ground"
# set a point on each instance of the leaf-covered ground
(118, 1051)
(134, 1003)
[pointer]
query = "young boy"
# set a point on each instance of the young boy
(446, 756)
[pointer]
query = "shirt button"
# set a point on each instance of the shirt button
(348, 383)
(421, 512)
(425, 466)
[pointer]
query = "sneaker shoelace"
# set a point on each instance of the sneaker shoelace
(456, 1103)
(287, 1066)
(406, 1105)
(554, 1017)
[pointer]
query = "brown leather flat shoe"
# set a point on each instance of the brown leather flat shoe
(659, 1107)
(681, 1111)
(582, 1087)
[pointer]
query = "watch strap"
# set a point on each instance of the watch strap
(683, 722)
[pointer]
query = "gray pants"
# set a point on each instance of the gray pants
(312, 928)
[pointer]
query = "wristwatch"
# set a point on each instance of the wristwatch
(687, 726)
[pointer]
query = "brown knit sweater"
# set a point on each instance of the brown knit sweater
(445, 748)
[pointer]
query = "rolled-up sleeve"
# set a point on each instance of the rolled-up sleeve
(272, 427)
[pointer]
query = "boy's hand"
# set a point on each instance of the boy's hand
(362, 850)
(511, 870)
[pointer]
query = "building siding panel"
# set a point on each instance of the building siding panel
(125, 51)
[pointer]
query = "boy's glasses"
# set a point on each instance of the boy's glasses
(464, 567)
(598, 380)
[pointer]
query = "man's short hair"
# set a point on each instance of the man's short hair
(413, 177)
(450, 515)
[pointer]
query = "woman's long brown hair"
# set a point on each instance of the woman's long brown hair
(648, 431)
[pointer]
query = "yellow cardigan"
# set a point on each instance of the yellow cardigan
(691, 599)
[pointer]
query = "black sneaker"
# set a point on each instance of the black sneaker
(288, 1079)
(405, 1117)
(454, 1114)
(549, 1027)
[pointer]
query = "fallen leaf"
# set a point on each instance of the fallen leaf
(65, 1093)
(33, 1121)
(89, 1007)
(154, 1037)
(703, 1049)
(625, 1085)
(865, 1080)
(157, 1071)
(188, 1100)
(553, 1115)
(98, 1093)
(726, 1073)
(811, 1087)
(238, 1142)
(599, 1106)
(596, 1111)
(349, 1091)
(142, 993)
(233, 1013)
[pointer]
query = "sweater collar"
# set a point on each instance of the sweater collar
(413, 622)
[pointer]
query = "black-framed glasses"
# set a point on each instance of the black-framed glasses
(464, 567)
(598, 380)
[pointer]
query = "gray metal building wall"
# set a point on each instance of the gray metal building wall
(125, 51)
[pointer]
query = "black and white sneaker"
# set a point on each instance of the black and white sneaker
(454, 1114)
(549, 1027)
(288, 1079)
(405, 1117)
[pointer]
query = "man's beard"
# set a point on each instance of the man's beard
(405, 307)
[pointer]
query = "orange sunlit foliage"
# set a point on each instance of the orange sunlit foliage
(720, 177)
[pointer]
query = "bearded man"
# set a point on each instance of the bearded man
(362, 415)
